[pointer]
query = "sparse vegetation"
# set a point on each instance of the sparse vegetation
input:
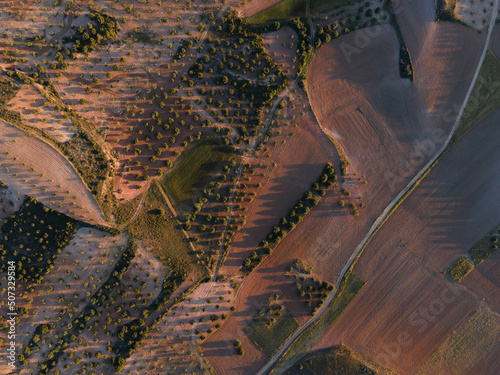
(348, 289)
(337, 360)
(486, 246)
(270, 337)
(460, 269)
(294, 217)
(192, 170)
(485, 97)
(159, 231)
(32, 237)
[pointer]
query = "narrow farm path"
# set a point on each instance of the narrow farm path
(388, 210)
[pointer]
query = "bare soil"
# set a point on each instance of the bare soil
(36, 111)
(79, 271)
(473, 13)
(404, 264)
(282, 47)
(383, 141)
(32, 167)
(495, 41)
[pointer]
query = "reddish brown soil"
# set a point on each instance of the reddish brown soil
(53, 180)
(387, 137)
(282, 47)
(298, 164)
(416, 20)
(449, 211)
(382, 140)
(304, 154)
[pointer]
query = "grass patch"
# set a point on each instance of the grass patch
(159, 231)
(289, 9)
(318, 6)
(141, 36)
(337, 360)
(460, 269)
(124, 212)
(347, 291)
(344, 160)
(302, 266)
(466, 346)
(485, 97)
(486, 246)
(193, 168)
(284, 10)
(269, 339)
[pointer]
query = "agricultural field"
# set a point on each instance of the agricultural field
(336, 360)
(402, 339)
(248, 8)
(467, 346)
(244, 187)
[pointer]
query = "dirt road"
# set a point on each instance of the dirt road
(389, 209)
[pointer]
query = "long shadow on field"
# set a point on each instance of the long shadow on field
(284, 192)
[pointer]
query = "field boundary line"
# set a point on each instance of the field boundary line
(396, 202)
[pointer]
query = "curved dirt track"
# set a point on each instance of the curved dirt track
(57, 171)
(380, 220)
(450, 210)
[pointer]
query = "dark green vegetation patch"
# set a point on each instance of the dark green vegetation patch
(140, 36)
(485, 96)
(90, 161)
(460, 269)
(337, 360)
(288, 9)
(318, 6)
(8, 90)
(32, 237)
(486, 246)
(194, 168)
(270, 338)
(161, 232)
(284, 10)
(103, 28)
(445, 11)
(124, 212)
(348, 289)
(294, 217)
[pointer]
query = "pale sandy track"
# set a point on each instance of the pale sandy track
(380, 221)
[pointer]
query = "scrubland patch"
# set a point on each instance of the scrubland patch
(47, 308)
(36, 111)
(467, 345)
